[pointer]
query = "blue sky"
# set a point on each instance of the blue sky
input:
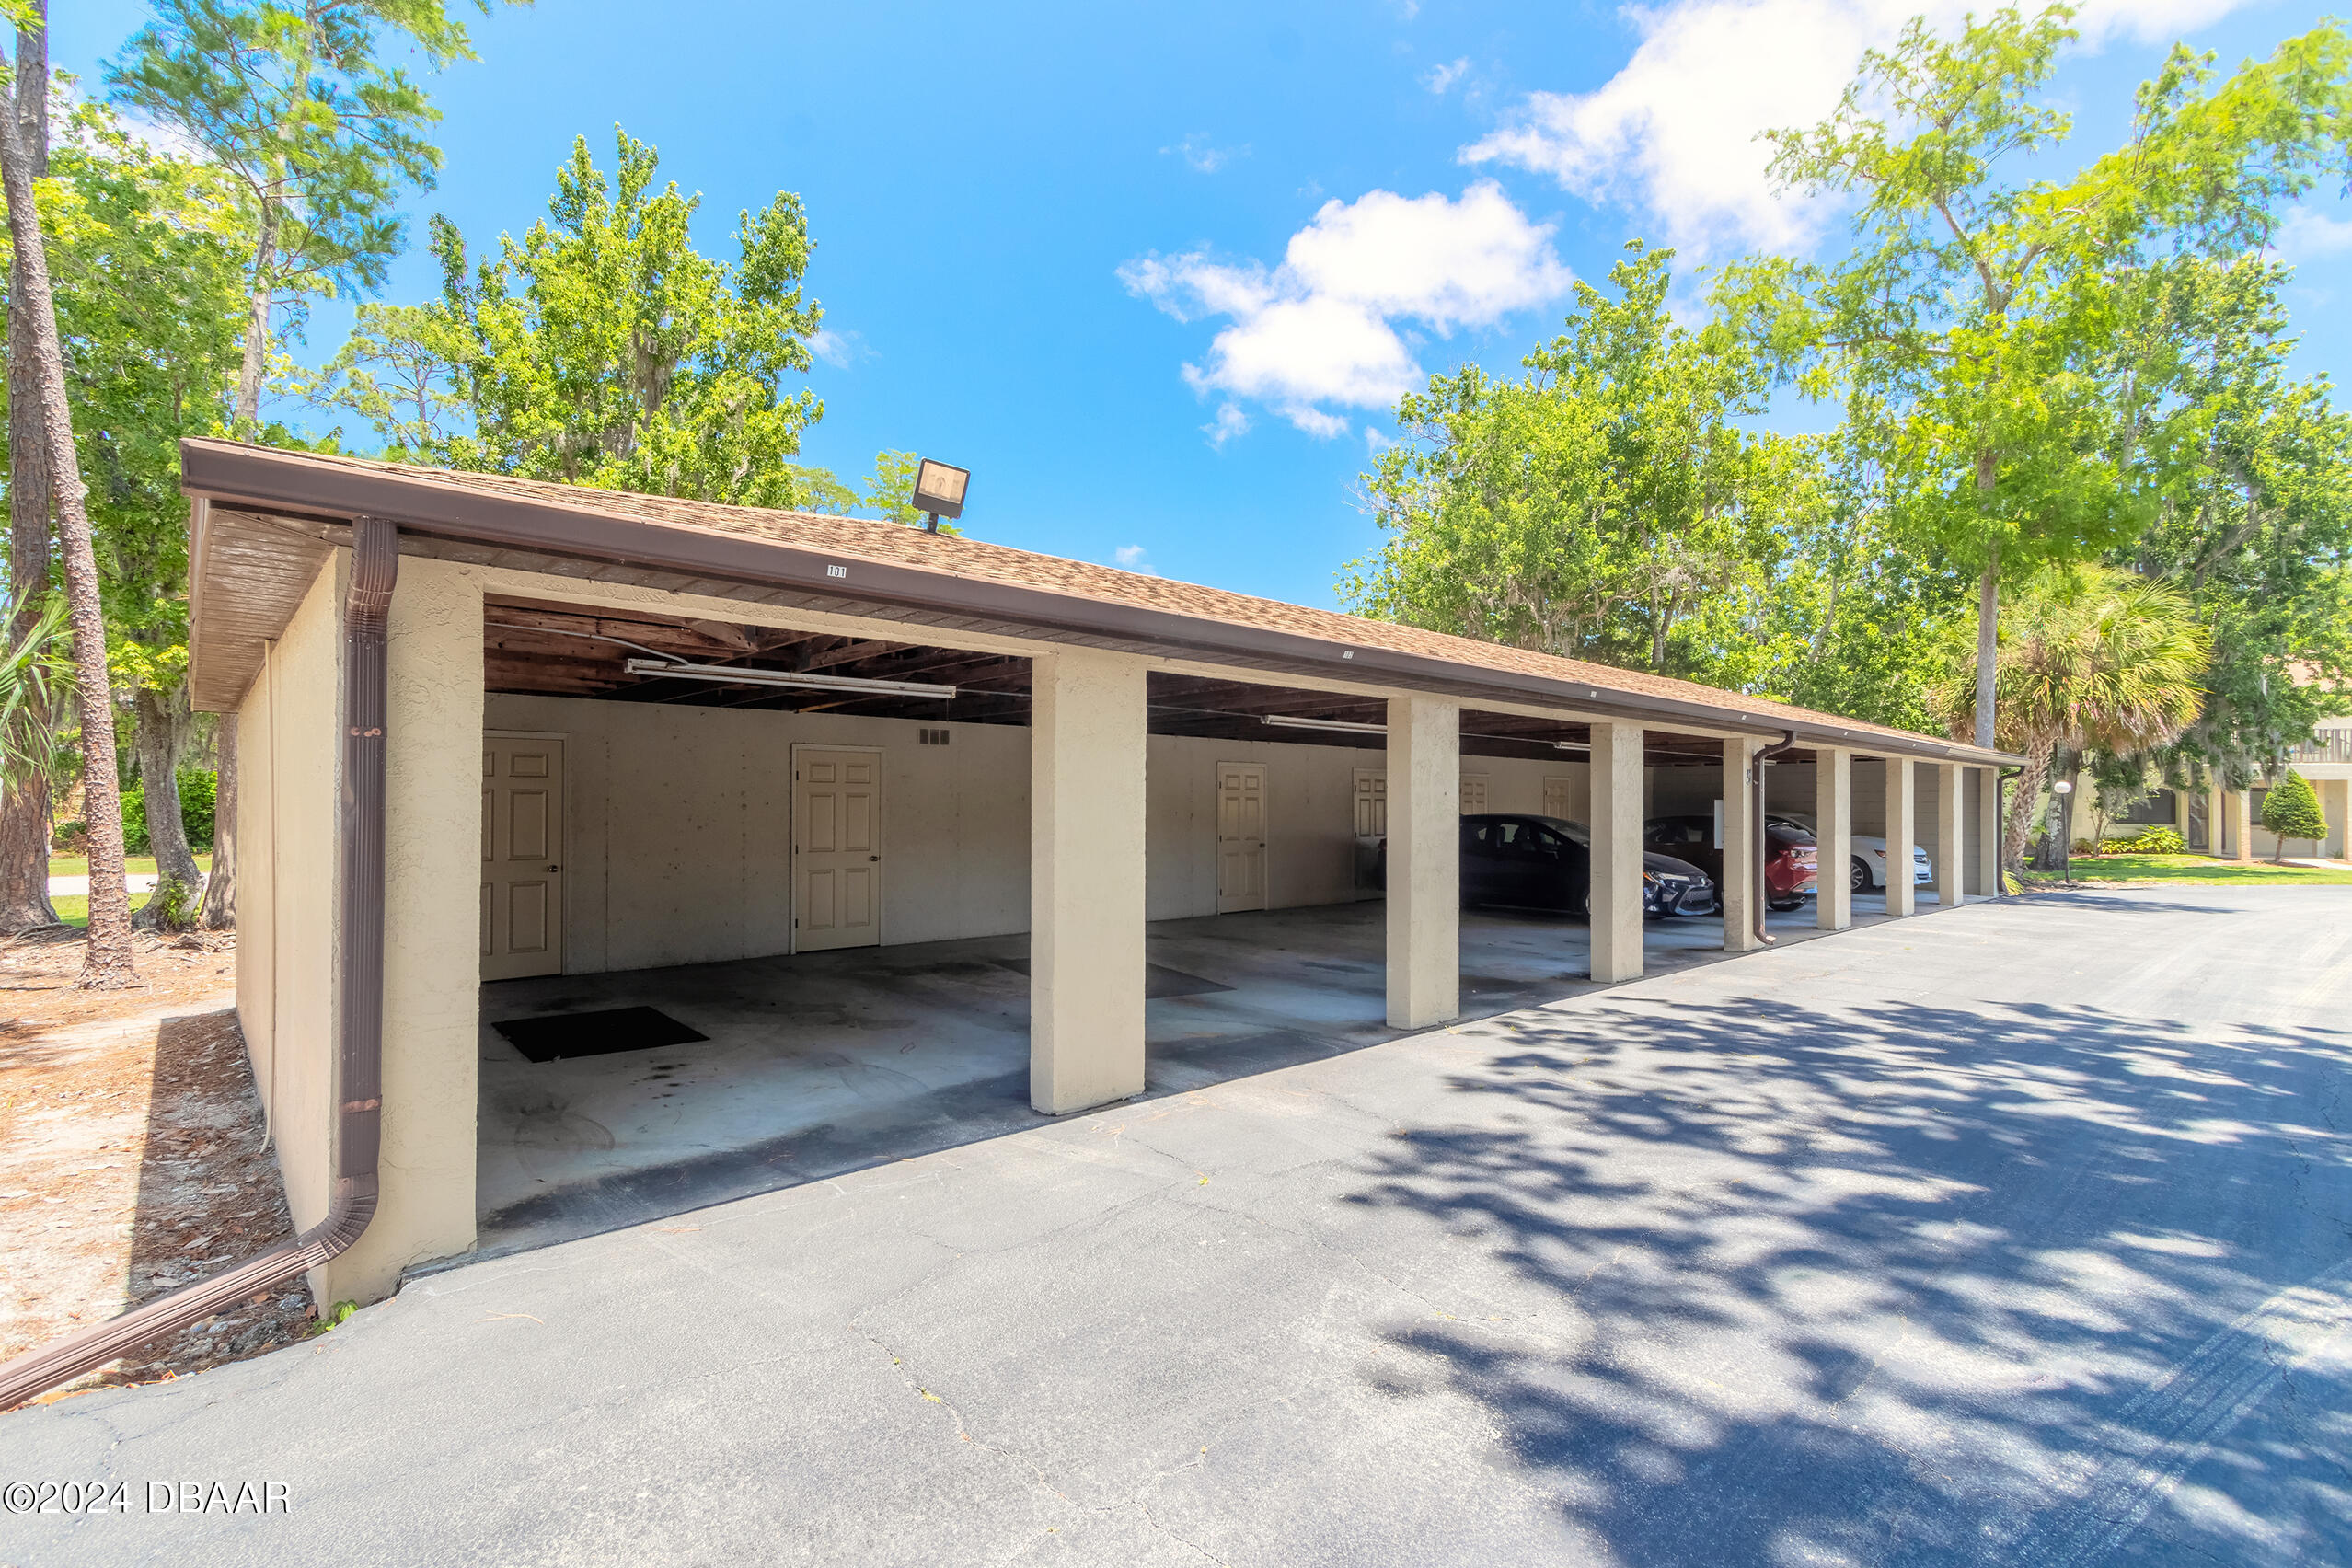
(1153, 273)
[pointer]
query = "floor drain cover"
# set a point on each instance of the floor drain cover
(560, 1036)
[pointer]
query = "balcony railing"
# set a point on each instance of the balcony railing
(2327, 745)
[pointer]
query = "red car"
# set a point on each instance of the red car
(1789, 873)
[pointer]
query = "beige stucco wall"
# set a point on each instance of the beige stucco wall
(432, 922)
(1088, 763)
(677, 844)
(289, 758)
(677, 847)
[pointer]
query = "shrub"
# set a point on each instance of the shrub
(2090, 847)
(198, 793)
(2291, 810)
(71, 838)
(2157, 840)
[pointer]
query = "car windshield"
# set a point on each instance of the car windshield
(1575, 831)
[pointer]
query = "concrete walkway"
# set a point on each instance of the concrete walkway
(79, 887)
(2019, 1235)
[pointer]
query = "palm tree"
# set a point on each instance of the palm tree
(2089, 657)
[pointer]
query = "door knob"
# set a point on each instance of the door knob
(553, 869)
(873, 856)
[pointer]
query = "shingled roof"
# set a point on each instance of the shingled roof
(864, 565)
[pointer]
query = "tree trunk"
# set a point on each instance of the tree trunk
(248, 411)
(25, 802)
(2017, 825)
(1988, 606)
(106, 960)
(1987, 646)
(162, 729)
(219, 911)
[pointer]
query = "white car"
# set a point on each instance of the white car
(1866, 859)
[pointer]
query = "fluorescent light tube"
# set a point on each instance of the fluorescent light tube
(727, 676)
(1283, 721)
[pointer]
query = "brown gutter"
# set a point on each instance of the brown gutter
(1763, 844)
(376, 560)
(232, 474)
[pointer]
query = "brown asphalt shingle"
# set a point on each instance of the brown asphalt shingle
(867, 540)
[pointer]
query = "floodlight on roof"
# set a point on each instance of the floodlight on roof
(938, 490)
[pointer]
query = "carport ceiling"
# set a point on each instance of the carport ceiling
(556, 650)
(534, 648)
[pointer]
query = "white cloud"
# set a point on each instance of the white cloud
(1323, 327)
(2308, 236)
(839, 350)
(1201, 156)
(1674, 132)
(1230, 423)
(1444, 76)
(1133, 558)
(1376, 441)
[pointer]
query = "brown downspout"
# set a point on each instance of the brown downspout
(360, 1019)
(1763, 846)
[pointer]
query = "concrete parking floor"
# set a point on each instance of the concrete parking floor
(831, 1062)
(2030, 1243)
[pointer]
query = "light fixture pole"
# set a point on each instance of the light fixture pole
(2064, 790)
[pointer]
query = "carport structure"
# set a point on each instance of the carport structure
(618, 735)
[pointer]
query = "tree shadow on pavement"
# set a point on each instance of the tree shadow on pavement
(1907, 1284)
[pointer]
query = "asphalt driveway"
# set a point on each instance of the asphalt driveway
(2017, 1233)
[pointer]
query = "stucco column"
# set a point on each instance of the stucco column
(2242, 823)
(1900, 826)
(1425, 912)
(1833, 826)
(1086, 880)
(432, 792)
(1988, 831)
(1615, 897)
(1742, 888)
(1951, 838)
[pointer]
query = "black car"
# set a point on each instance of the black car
(1538, 863)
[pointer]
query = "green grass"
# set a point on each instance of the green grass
(79, 865)
(2197, 870)
(75, 911)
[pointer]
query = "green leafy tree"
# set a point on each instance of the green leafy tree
(149, 273)
(2087, 656)
(106, 959)
(603, 348)
(1998, 314)
(2291, 810)
(1607, 505)
(25, 797)
(2256, 522)
(321, 134)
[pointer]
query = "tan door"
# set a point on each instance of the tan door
(522, 856)
(1371, 804)
(1558, 797)
(1474, 793)
(1240, 836)
(836, 849)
